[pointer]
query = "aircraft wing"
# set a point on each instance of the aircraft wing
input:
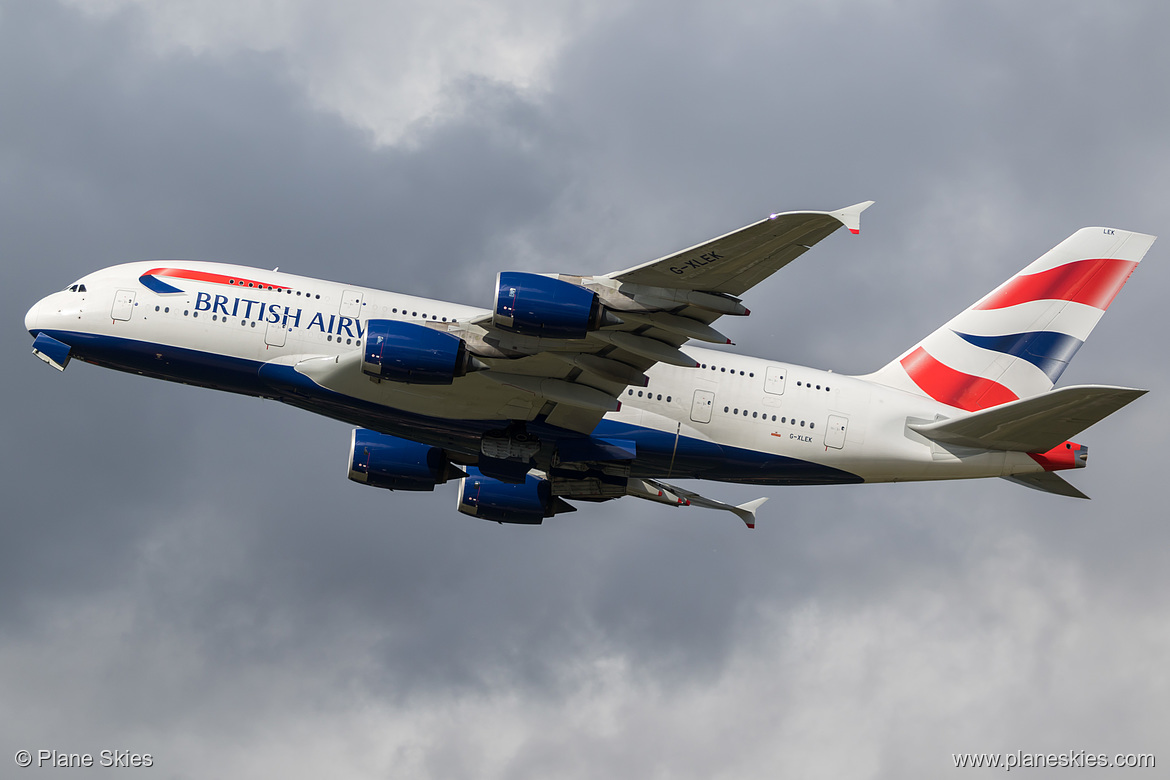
(527, 368)
(737, 261)
(653, 309)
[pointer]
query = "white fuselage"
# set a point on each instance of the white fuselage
(214, 333)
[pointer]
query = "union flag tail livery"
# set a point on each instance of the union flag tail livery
(1016, 341)
(576, 388)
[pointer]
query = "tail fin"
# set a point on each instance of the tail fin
(1016, 341)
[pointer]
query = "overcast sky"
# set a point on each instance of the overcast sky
(189, 574)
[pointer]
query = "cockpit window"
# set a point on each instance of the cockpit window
(75, 288)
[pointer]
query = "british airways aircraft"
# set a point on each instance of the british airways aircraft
(578, 388)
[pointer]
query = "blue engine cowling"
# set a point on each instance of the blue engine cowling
(536, 305)
(389, 462)
(408, 352)
(528, 502)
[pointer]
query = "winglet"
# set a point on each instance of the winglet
(747, 512)
(850, 216)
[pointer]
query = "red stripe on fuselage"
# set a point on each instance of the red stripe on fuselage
(203, 276)
(1091, 282)
(951, 387)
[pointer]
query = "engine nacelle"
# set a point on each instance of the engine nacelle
(415, 354)
(389, 462)
(490, 499)
(536, 305)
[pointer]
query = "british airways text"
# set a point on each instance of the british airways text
(274, 312)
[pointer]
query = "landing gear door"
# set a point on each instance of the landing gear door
(701, 406)
(836, 430)
(123, 305)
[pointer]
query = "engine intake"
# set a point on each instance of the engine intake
(526, 503)
(535, 305)
(384, 461)
(415, 354)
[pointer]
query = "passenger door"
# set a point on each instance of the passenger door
(351, 304)
(774, 380)
(701, 406)
(123, 305)
(836, 430)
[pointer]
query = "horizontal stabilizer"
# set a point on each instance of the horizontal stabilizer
(1047, 481)
(1035, 424)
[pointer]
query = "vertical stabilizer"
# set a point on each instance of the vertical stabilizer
(1017, 340)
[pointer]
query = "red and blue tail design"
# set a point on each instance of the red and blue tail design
(1017, 340)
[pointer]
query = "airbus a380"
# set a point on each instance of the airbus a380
(578, 388)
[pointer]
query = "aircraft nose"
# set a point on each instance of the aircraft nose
(30, 319)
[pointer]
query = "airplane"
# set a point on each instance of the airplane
(577, 388)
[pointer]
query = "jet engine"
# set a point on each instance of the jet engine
(397, 464)
(535, 305)
(528, 502)
(415, 354)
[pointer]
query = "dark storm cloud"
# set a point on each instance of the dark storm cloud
(180, 561)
